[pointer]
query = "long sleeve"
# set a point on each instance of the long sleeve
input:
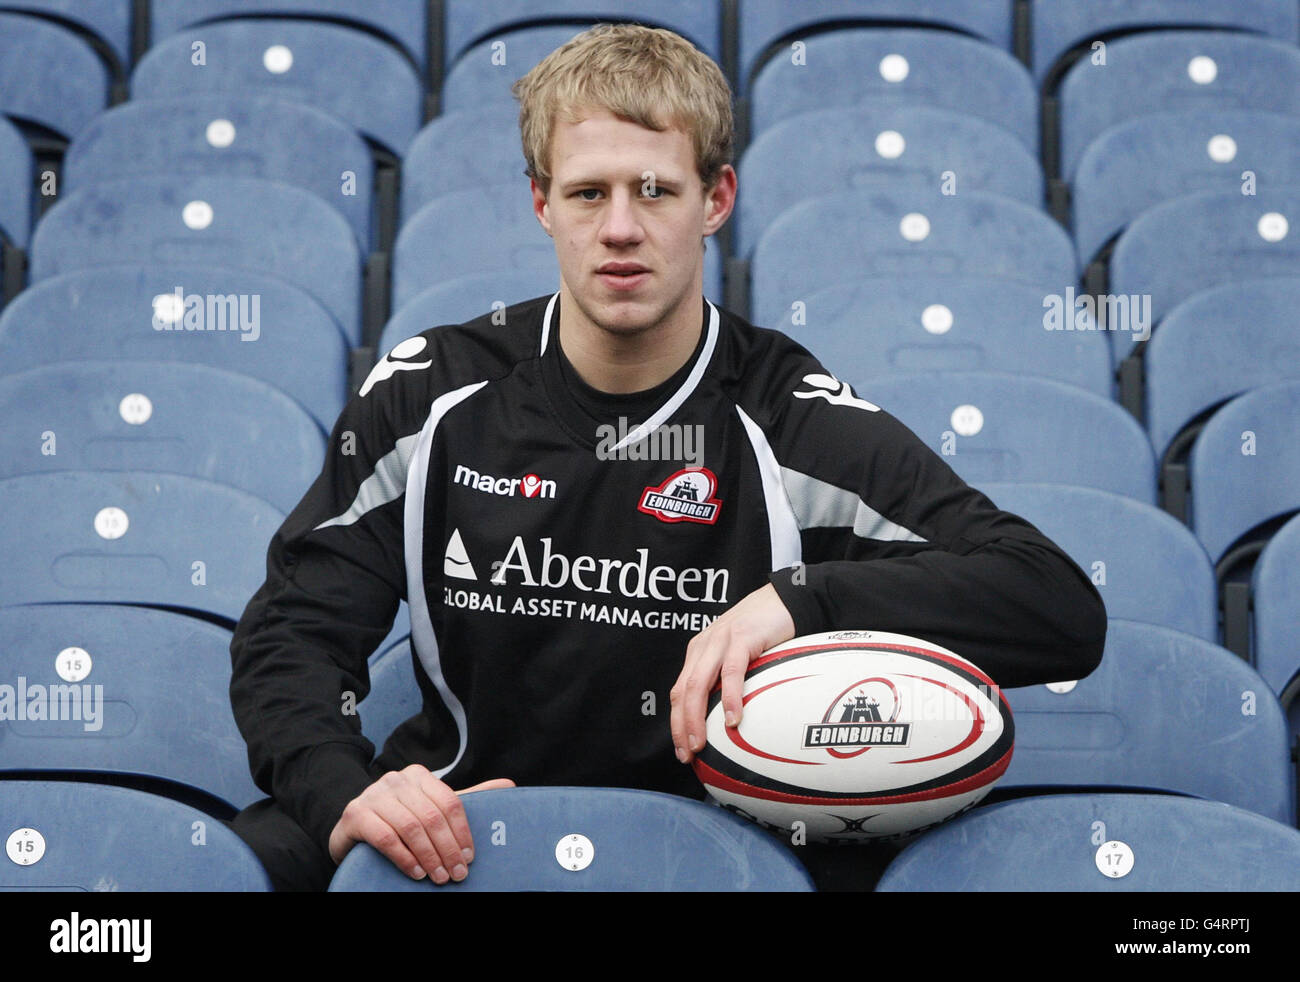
(334, 578)
(893, 540)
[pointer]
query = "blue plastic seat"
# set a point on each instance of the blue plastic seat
(1245, 466)
(1062, 844)
(1057, 27)
(871, 327)
(109, 21)
(1145, 563)
(1198, 241)
(1215, 345)
(850, 235)
(394, 695)
(480, 77)
(462, 150)
(888, 146)
(991, 426)
(641, 841)
(48, 75)
(151, 697)
(1165, 70)
(159, 416)
(135, 538)
(15, 185)
(905, 67)
(765, 23)
(246, 223)
(99, 838)
(1276, 594)
(403, 23)
(232, 135)
(463, 299)
(486, 230)
(108, 313)
(1163, 712)
(471, 21)
(351, 75)
(1141, 162)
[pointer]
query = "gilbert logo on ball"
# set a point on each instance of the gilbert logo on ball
(858, 735)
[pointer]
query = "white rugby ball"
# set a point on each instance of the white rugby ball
(858, 735)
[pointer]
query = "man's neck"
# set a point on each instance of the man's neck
(614, 363)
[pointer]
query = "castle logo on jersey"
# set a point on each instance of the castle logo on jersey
(864, 715)
(530, 485)
(687, 496)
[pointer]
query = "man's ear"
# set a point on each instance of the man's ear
(721, 200)
(540, 207)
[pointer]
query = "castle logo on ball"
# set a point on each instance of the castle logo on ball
(862, 724)
(687, 496)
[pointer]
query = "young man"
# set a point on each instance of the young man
(508, 478)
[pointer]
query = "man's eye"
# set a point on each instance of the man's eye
(654, 191)
(586, 191)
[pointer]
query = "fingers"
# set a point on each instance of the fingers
(690, 695)
(415, 820)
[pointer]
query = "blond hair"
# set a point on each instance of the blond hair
(649, 76)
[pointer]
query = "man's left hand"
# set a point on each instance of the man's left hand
(724, 648)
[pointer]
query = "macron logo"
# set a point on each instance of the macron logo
(530, 485)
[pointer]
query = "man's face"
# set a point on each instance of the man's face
(628, 214)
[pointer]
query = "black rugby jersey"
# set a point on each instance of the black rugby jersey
(556, 566)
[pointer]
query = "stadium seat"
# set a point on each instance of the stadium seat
(107, 313)
(231, 135)
(992, 426)
(48, 75)
(899, 67)
(641, 841)
(394, 696)
(471, 21)
(1145, 564)
(461, 300)
(160, 416)
(1161, 71)
(1101, 843)
(1164, 711)
(480, 77)
(887, 146)
(1202, 240)
(459, 151)
(93, 837)
(849, 235)
(1058, 27)
(402, 23)
(108, 21)
(135, 538)
(1144, 161)
(1245, 466)
(350, 74)
(1276, 594)
(766, 23)
(16, 176)
(917, 323)
(495, 231)
(150, 694)
(1215, 345)
(246, 223)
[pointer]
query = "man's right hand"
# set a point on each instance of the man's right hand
(415, 820)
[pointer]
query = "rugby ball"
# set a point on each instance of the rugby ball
(857, 735)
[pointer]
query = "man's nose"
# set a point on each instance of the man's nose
(622, 223)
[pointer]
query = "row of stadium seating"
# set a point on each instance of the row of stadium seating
(99, 838)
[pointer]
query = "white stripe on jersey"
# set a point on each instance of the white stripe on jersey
(386, 483)
(423, 639)
(818, 504)
(783, 529)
